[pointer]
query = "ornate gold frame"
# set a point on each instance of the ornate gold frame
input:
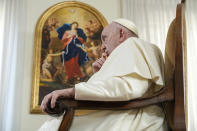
(34, 107)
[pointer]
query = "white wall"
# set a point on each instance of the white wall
(109, 8)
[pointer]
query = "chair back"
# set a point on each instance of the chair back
(175, 68)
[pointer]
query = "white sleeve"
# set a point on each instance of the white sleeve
(112, 89)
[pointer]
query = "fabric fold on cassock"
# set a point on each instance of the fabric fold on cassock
(121, 76)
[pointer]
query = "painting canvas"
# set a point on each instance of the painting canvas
(67, 41)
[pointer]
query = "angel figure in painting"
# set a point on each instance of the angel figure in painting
(75, 56)
(47, 66)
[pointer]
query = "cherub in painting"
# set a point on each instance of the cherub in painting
(47, 65)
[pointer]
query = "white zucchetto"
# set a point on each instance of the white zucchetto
(128, 24)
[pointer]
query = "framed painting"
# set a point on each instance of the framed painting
(67, 41)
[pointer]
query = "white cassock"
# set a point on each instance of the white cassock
(134, 69)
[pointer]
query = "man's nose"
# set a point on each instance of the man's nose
(103, 47)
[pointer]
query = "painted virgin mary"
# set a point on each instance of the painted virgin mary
(74, 55)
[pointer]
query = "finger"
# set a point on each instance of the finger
(104, 54)
(100, 62)
(45, 101)
(103, 59)
(96, 66)
(53, 100)
(43, 104)
(97, 63)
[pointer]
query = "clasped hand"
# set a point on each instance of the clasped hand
(98, 63)
(53, 96)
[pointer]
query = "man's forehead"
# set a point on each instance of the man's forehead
(108, 28)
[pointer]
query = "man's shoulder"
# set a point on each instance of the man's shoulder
(140, 40)
(146, 44)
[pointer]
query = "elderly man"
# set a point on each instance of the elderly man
(129, 68)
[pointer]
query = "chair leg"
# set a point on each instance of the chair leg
(67, 120)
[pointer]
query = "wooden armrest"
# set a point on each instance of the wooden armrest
(165, 94)
(69, 105)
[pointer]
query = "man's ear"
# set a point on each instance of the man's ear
(122, 35)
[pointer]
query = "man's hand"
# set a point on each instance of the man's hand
(66, 93)
(98, 63)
